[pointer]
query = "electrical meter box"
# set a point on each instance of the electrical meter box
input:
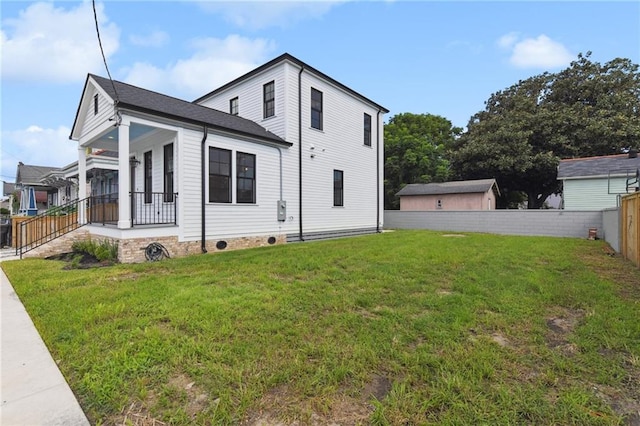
(282, 210)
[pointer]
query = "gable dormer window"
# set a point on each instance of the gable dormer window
(95, 105)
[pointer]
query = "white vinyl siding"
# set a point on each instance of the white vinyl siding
(592, 194)
(234, 219)
(250, 93)
(92, 120)
(338, 147)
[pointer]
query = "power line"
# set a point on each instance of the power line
(95, 18)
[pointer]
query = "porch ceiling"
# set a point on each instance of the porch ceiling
(109, 141)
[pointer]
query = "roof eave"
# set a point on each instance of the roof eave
(200, 123)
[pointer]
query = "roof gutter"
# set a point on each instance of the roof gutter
(275, 140)
(203, 242)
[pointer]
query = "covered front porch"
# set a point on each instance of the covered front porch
(137, 189)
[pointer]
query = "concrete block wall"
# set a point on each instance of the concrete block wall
(554, 223)
(611, 219)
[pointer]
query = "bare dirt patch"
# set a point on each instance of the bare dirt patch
(282, 406)
(197, 400)
(138, 413)
(560, 327)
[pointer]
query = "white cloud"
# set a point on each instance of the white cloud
(155, 39)
(37, 146)
(215, 62)
(541, 52)
(508, 40)
(266, 13)
(47, 43)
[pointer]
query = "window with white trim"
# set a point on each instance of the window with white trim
(219, 175)
(148, 177)
(316, 109)
(168, 173)
(233, 106)
(245, 178)
(338, 188)
(367, 129)
(269, 99)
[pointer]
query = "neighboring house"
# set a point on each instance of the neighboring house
(101, 174)
(458, 195)
(283, 153)
(35, 196)
(7, 199)
(596, 183)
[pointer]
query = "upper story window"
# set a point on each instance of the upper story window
(338, 188)
(219, 175)
(233, 106)
(316, 109)
(269, 96)
(367, 129)
(95, 104)
(168, 173)
(245, 178)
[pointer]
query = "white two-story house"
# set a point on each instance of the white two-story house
(282, 153)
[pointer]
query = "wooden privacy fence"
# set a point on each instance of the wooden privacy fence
(42, 228)
(630, 244)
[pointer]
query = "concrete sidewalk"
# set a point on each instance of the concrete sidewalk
(32, 389)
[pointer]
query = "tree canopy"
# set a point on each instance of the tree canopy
(415, 147)
(585, 110)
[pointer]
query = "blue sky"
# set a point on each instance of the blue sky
(443, 58)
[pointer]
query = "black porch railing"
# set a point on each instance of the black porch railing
(154, 208)
(103, 209)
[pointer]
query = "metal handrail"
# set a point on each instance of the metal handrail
(48, 226)
(147, 208)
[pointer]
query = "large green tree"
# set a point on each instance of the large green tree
(585, 110)
(414, 148)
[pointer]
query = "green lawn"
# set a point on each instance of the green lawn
(407, 327)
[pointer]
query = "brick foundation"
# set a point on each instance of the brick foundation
(133, 250)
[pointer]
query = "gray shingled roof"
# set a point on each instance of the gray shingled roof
(8, 188)
(456, 187)
(31, 175)
(598, 166)
(143, 100)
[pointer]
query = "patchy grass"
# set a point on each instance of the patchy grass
(409, 327)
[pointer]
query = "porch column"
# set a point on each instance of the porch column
(82, 182)
(124, 199)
